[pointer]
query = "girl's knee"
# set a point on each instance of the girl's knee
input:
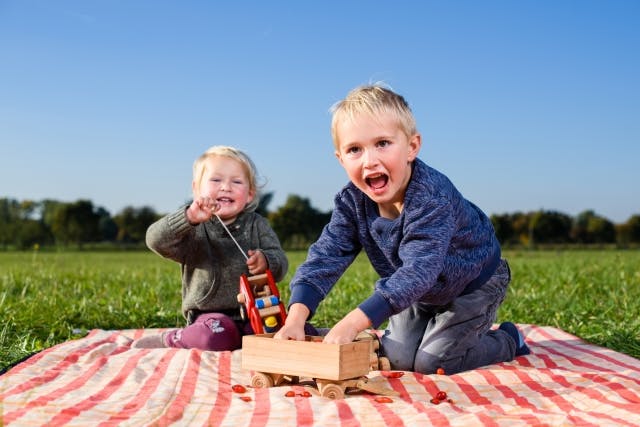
(213, 332)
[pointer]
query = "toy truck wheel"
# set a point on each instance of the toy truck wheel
(332, 391)
(384, 364)
(261, 380)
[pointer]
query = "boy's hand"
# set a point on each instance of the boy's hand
(346, 330)
(293, 328)
(201, 210)
(257, 262)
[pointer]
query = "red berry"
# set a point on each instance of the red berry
(245, 398)
(440, 371)
(392, 374)
(238, 388)
(305, 394)
(383, 399)
(290, 393)
(435, 401)
(441, 395)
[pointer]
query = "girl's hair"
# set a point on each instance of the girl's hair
(232, 153)
(373, 100)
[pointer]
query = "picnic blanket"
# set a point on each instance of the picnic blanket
(100, 380)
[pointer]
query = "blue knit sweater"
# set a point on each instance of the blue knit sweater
(440, 246)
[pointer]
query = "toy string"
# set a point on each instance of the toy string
(234, 240)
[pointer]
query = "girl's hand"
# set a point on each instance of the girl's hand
(257, 262)
(201, 210)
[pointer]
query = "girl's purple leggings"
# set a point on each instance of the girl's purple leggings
(210, 331)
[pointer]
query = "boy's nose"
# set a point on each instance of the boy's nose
(369, 158)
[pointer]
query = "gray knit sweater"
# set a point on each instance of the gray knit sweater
(439, 245)
(210, 261)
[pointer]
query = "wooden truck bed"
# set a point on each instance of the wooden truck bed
(309, 358)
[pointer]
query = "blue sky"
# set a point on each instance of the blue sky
(525, 105)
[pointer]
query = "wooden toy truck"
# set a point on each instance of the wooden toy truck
(259, 300)
(334, 367)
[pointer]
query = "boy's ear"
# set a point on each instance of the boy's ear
(337, 153)
(415, 142)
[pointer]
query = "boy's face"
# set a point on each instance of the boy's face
(225, 181)
(377, 156)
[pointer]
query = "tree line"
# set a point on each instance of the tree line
(32, 224)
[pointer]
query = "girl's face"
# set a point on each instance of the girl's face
(224, 180)
(377, 156)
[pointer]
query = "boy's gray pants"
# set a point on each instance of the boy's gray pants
(456, 336)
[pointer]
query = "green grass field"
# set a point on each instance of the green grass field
(47, 298)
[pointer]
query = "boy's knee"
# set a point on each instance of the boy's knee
(426, 363)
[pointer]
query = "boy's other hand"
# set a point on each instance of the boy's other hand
(346, 330)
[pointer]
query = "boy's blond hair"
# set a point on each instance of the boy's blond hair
(373, 100)
(232, 153)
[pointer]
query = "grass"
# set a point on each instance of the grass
(48, 298)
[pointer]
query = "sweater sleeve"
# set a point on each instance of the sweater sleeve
(270, 246)
(327, 259)
(168, 236)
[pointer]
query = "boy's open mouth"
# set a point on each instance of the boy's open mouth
(377, 182)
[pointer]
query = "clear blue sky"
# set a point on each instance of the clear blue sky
(525, 105)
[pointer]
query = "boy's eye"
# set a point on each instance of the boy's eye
(353, 150)
(383, 143)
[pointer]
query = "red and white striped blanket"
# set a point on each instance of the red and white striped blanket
(100, 380)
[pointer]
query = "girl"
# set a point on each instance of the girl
(225, 195)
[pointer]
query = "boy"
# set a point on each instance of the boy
(441, 275)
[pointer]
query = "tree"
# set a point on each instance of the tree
(107, 227)
(297, 223)
(9, 219)
(265, 200)
(588, 227)
(550, 227)
(633, 227)
(75, 223)
(30, 232)
(133, 223)
(503, 228)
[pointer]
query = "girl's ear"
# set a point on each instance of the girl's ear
(194, 189)
(415, 142)
(252, 195)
